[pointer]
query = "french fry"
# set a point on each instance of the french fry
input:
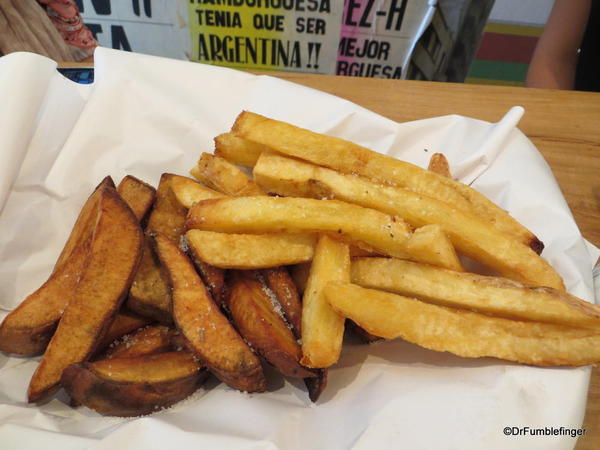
(280, 282)
(382, 232)
(145, 341)
(188, 191)
(261, 324)
(322, 327)
(237, 150)
(221, 175)
(491, 295)
(134, 386)
(469, 235)
(251, 251)
(350, 158)
(114, 255)
(209, 333)
(138, 195)
(28, 328)
(439, 164)
(463, 333)
(433, 246)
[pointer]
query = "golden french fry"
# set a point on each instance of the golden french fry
(491, 295)
(439, 164)
(237, 150)
(350, 158)
(433, 246)
(382, 232)
(221, 175)
(469, 235)
(188, 191)
(322, 327)
(251, 251)
(134, 386)
(461, 332)
(209, 333)
(114, 256)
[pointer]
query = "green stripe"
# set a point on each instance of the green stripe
(498, 70)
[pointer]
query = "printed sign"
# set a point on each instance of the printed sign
(371, 38)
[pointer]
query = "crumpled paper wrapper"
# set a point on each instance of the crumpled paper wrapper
(145, 116)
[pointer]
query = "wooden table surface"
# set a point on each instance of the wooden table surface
(563, 125)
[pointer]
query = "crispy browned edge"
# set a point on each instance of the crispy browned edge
(127, 399)
(33, 340)
(317, 385)
(249, 375)
(138, 194)
(256, 319)
(40, 390)
(280, 282)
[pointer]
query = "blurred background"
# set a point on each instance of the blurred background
(472, 41)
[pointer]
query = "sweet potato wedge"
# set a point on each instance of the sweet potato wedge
(259, 319)
(207, 330)
(28, 328)
(134, 386)
(138, 195)
(114, 255)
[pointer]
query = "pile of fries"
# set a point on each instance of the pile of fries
(156, 288)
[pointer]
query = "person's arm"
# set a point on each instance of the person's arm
(555, 57)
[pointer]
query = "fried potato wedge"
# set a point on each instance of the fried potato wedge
(134, 386)
(299, 273)
(316, 385)
(251, 251)
(259, 319)
(114, 256)
(356, 224)
(221, 175)
(85, 222)
(28, 328)
(125, 322)
(469, 235)
(491, 295)
(213, 277)
(138, 195)
(439, 164)
(208, 331)
(433, 246)
(145, 341)
(237, 150)
(149, 295)
(350, 158)
(463, 333)
(188, 191)
(322, 327)
(278, 279)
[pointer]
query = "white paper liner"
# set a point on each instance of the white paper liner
(145, 116)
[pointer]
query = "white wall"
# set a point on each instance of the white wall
(525, 12)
